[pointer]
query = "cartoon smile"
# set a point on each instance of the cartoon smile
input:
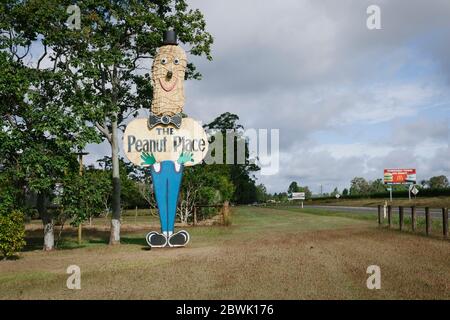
(168, 85)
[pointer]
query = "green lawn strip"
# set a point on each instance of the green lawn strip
(247, 222)
(251, 219)
(342, 214)
(436, 223)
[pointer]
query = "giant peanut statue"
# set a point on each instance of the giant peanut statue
(169, 67)
(166, 142)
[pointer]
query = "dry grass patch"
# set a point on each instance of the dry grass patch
(266, 254)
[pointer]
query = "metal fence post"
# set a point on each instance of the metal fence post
(445, 221)
(400, 217)
(379, 214)
(390, 216)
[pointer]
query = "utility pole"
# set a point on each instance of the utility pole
(80, 155)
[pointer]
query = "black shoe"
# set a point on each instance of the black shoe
(156, 240)
(179, 239)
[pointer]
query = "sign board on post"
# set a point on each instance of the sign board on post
(390, 191)
(414, 191)
(298, 196)
(337, 195)
(165, 143)
(400, 176)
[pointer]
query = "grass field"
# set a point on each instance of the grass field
(434, 202)
(436, 224)
(266, 254)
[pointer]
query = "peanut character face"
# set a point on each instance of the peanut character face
(168, 70)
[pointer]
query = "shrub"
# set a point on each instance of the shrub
(12, 233)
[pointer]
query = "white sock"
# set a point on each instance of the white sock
(157, 166)
(167, 234)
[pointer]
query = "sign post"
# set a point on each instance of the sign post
(297, 196)
(414, 191)
(389, 188)
(400, 176)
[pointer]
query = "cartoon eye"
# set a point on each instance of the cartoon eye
(163, 61)
(176, 61)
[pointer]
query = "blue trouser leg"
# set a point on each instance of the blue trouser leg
(159, 187)
(166, 184)
(173, 190)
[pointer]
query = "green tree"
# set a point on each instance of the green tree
(225, 121)
(261, 193)
(118, 39)
(293, 187)
(106, 57)
(14, 84)
(437, 182)
(359, 186)
(282, 197)
(131, 177)
(240, 174)
(306, 190)
(97, 188)
(377, 186)
(38, 132)
(203, 185)
(12, 233)
(81, 197)
(334, 192)
(345, 192)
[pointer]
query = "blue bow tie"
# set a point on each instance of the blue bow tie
(154, 120)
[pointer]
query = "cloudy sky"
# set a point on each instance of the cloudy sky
(348, 101)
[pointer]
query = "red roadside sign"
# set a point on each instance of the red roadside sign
(400, 176)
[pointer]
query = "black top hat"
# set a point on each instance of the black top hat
(170, 38)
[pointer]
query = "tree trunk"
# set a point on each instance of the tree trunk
(80, 231)
(47, 221)
(115, 218)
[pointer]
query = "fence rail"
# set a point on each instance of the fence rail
(413, 212)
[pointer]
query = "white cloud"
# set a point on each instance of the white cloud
(308, 67)
(387, 102)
